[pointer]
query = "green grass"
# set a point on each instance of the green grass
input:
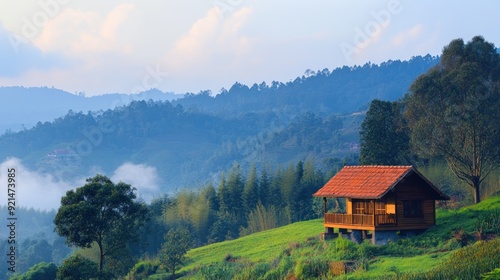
(258, 247)
(385, 266)
(449, 220)
(296, 249)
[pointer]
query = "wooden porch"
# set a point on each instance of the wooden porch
(359, 221)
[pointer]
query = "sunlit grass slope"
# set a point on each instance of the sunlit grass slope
(262, 246)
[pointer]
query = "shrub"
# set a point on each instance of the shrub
(311, 268)
(489, 222)
(41, 271)
(77, 267)
(143, 269)
(219, 271)
(343, 249)
(282, 270)
(461, 236)
(466, 263)
(250, 271)
(492, 275)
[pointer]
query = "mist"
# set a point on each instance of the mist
(43, 191)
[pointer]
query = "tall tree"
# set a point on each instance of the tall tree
(382, 137)
(100, 212)
(211, 195)
(223, 194)
(177, 242)
(264, 185)
(453, 110)
(251, 190)
(235, 187)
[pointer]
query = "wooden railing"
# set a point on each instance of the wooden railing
(359, 219)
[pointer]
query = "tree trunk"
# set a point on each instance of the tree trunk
(477, 191)
(101, 256)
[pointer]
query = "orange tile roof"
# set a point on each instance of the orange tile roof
(369, 181)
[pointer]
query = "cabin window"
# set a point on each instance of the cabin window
(412, 208)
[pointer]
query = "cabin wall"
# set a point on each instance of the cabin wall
(411, 190)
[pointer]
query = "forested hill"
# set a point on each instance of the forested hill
(343, 90)
(192, 140)
(23, 107)
(184, 146)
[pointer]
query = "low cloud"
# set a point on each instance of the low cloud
(33, 189)
(141, 176)
(43, 191)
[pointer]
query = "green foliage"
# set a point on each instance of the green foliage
(453, 109)
(77, 267)
(206, 134)
(250, 194)
(383, 139)
(343, 249)
(440, 174)
(489, 222)
(467, 263)
(222, 270)
(492, 275)
(218, 214)
(262, 218)
(101, 212)
(143, 269)
(41, 271)
(311, 268)
(426, 256)
(173, 251)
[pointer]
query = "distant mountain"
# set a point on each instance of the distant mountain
(22, 107)
(185, 147)
(343, 90)
(194, 139)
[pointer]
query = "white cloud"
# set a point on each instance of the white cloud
(95, 32)
(104, 46)
(408, 36)
(19, 55)
(140, 176)
(33, 189)
(212, 41)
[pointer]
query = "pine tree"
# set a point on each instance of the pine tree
(251, 190)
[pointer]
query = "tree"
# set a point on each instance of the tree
(235, 188)
(382, 138)
(100, 212)
(264, 185)
(453, 111)
(250, 195)
(172, 254)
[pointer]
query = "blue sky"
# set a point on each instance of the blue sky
(186, 45)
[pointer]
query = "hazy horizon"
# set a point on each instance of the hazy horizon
(187, 46)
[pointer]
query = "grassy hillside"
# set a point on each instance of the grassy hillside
(296, 250)
(259, 247)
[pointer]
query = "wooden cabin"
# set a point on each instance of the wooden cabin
(382, 202)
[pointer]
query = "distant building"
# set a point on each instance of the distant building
(354, 147)
(63, 155)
